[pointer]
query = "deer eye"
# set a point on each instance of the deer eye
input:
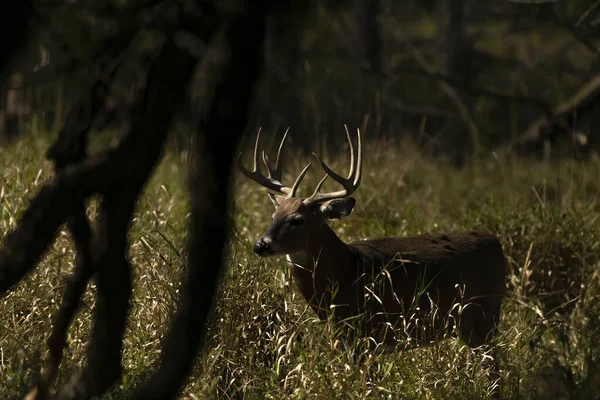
(297, 220)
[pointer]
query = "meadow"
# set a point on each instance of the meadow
(262, 340)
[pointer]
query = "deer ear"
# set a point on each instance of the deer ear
(337, 208)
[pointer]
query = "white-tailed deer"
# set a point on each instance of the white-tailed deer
(399, 282)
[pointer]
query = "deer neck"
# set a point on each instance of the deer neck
(326, 260)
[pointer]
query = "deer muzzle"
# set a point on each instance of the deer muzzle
(263, 247)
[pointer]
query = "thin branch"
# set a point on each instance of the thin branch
(587, 13)
(575, 32)
(538, 130)
(584, 92)
(478, 91)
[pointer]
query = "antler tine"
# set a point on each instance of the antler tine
(275, 173)
(256, 165)
(270, 183)
(319, 186)
(351, 152)
(277, 166)
(358, 172)
(270, 172)
(349, 184)
(298, 180)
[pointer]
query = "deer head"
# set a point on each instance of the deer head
(296, 219)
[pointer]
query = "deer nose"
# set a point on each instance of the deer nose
(261, 246)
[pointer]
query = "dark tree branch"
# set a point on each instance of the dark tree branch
(222, 127)
(479, 91)
(114, 286)
(67, 149)
(75, 287)
(575, 32)
(546, 128)
(169, 77)
(52, 205)
(70, 148)
(56, 200)
(105, 174)
(110, 247)
(23, 247)
(119, 176)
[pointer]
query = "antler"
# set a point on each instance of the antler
(272, 182)
(350, 184)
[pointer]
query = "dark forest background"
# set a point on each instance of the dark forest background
(458, 76)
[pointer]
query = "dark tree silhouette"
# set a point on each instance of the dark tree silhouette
(118, 176)
(225, 120)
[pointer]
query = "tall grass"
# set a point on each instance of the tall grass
(264, 342)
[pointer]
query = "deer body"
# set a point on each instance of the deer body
(438, 265)
(387, 282)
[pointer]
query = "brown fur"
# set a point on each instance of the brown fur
(291, 206)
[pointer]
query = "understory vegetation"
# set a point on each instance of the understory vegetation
(264, 342)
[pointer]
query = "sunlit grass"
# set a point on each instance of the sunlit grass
(263, 341)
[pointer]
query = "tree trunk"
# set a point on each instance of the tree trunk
(458, 48)
(368, 37)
